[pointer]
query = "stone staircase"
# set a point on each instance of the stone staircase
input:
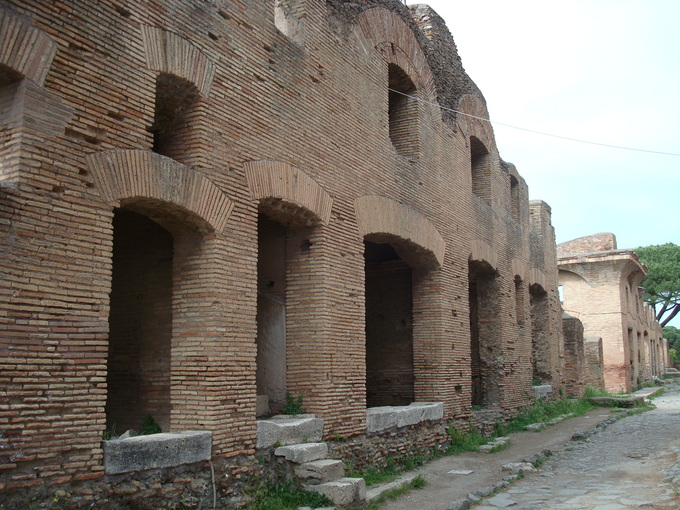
(307, 458)
(326, 476)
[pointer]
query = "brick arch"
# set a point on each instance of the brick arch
(537, 277)
(25, 49)
(381, 215)
(276, 179)
(167, 52)
(481, 251)
(472, 127)
(124, 174)
(398, 44)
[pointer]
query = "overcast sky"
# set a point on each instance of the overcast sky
(606, 71)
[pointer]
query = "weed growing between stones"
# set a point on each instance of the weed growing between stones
(592, 391)
(293, 404)
(284, 496)
(376, 474)
(469, 441)
(417, 483)
(109, 433)
(149, 426)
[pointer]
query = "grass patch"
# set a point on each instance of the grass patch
(465, 441)
(657, 393)
(543, 412)
(376, 474)
(592, 391)
(417, 483)
(285, 496)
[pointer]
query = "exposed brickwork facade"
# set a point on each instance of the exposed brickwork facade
(156, 154)
(601, 287)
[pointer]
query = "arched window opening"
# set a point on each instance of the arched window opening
(389, 327)
(540, 334)
(480, 163)
(485, 334)
(285, 256)
(171, 128)
(271, 315)
(403, 112)
(140, 323)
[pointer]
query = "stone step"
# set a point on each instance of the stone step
(320, 471)
(301, 453)
(343, 492)
(289, 430)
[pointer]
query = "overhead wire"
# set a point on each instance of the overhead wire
(542, 133)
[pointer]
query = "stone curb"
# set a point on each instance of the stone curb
(477, 495)
(582, 435)
(673, 475)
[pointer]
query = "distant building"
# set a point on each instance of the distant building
(599, 284)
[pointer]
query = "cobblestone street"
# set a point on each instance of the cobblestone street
(623, 466)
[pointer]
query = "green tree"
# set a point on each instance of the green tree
(662, 284)
(672, 334)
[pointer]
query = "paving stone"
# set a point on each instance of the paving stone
(501, 501)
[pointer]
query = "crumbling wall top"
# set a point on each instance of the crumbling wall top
(604, 241)
(436, 41)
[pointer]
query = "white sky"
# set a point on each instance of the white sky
(606, 71)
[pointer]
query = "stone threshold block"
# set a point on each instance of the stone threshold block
(168, 449)
(387, 417)
(289, 430)
(301, 453)
(320, 471)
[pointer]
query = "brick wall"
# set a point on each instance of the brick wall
(293, 125)
(575, 368)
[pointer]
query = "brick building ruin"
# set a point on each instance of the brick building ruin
(600, 286)
(205, 205)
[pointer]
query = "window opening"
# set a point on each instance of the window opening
(140, 323)
(389, 327)
(403, 112)
(485, 332)
(480, 163)
(171, 128)
(514, 198)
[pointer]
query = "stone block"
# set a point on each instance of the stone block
(461, 504)
(519, 467)
(342, 492)
(535, 427)
(155, 451)
(543, 391)
(289, 430)
(380, 418)
(407, 415)
(386, 417)
(301, 453)
(429, 410)
(320, 471)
